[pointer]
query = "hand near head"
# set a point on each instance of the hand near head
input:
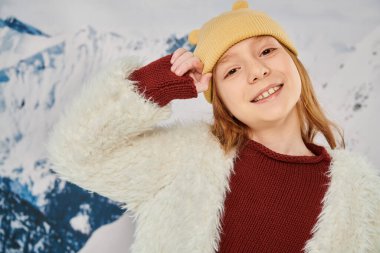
(183, 61)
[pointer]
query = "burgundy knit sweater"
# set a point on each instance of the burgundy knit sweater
(275, 199)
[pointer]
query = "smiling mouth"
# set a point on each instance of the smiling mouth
(268, 93)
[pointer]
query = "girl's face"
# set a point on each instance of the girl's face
(247, 70)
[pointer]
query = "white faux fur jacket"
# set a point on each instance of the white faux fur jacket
(173, 180)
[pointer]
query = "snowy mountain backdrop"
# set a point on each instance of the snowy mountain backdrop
(39, 73)
(38, 76)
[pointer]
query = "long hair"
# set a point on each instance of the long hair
(233, 133)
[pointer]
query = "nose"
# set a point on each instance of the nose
(258, 70)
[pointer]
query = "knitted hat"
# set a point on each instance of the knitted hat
(223, 31)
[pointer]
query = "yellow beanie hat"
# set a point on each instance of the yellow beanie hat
(223, 31)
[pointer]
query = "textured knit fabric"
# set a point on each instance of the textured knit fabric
(157, 82)
(274, 200)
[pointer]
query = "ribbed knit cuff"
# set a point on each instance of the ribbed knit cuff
(157, 82)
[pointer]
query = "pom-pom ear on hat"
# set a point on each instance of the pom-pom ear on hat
(193, 37)
(240, 4)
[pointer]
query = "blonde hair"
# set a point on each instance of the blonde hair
(233, 133)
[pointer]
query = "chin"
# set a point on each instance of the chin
(271, 116)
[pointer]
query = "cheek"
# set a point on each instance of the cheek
(292, 74)
(296, 79)
(230, 95)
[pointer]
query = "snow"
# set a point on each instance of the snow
(81, 223)
(338, 42)
(357, 104)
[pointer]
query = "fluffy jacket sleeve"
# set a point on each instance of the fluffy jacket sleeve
(377, 219)
(107, 139)
(370, 179)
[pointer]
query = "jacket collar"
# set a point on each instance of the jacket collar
(345, 223)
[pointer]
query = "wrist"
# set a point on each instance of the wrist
(157, 82)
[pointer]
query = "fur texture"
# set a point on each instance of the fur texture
(174, 180)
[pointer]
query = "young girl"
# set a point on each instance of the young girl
(253, 181)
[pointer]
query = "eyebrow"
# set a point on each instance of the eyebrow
(228, 56)
(225, 58)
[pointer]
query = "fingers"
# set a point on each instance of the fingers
(177, 54)
(184, 61)
(198, 65)
(203, 84)
(192, 65)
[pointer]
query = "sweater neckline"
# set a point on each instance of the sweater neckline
(320, 153)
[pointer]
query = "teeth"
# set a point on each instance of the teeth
(266, 94)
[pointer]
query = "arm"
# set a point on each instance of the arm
(106, 141)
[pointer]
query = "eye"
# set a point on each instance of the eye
(231, 72)
(268, 51)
